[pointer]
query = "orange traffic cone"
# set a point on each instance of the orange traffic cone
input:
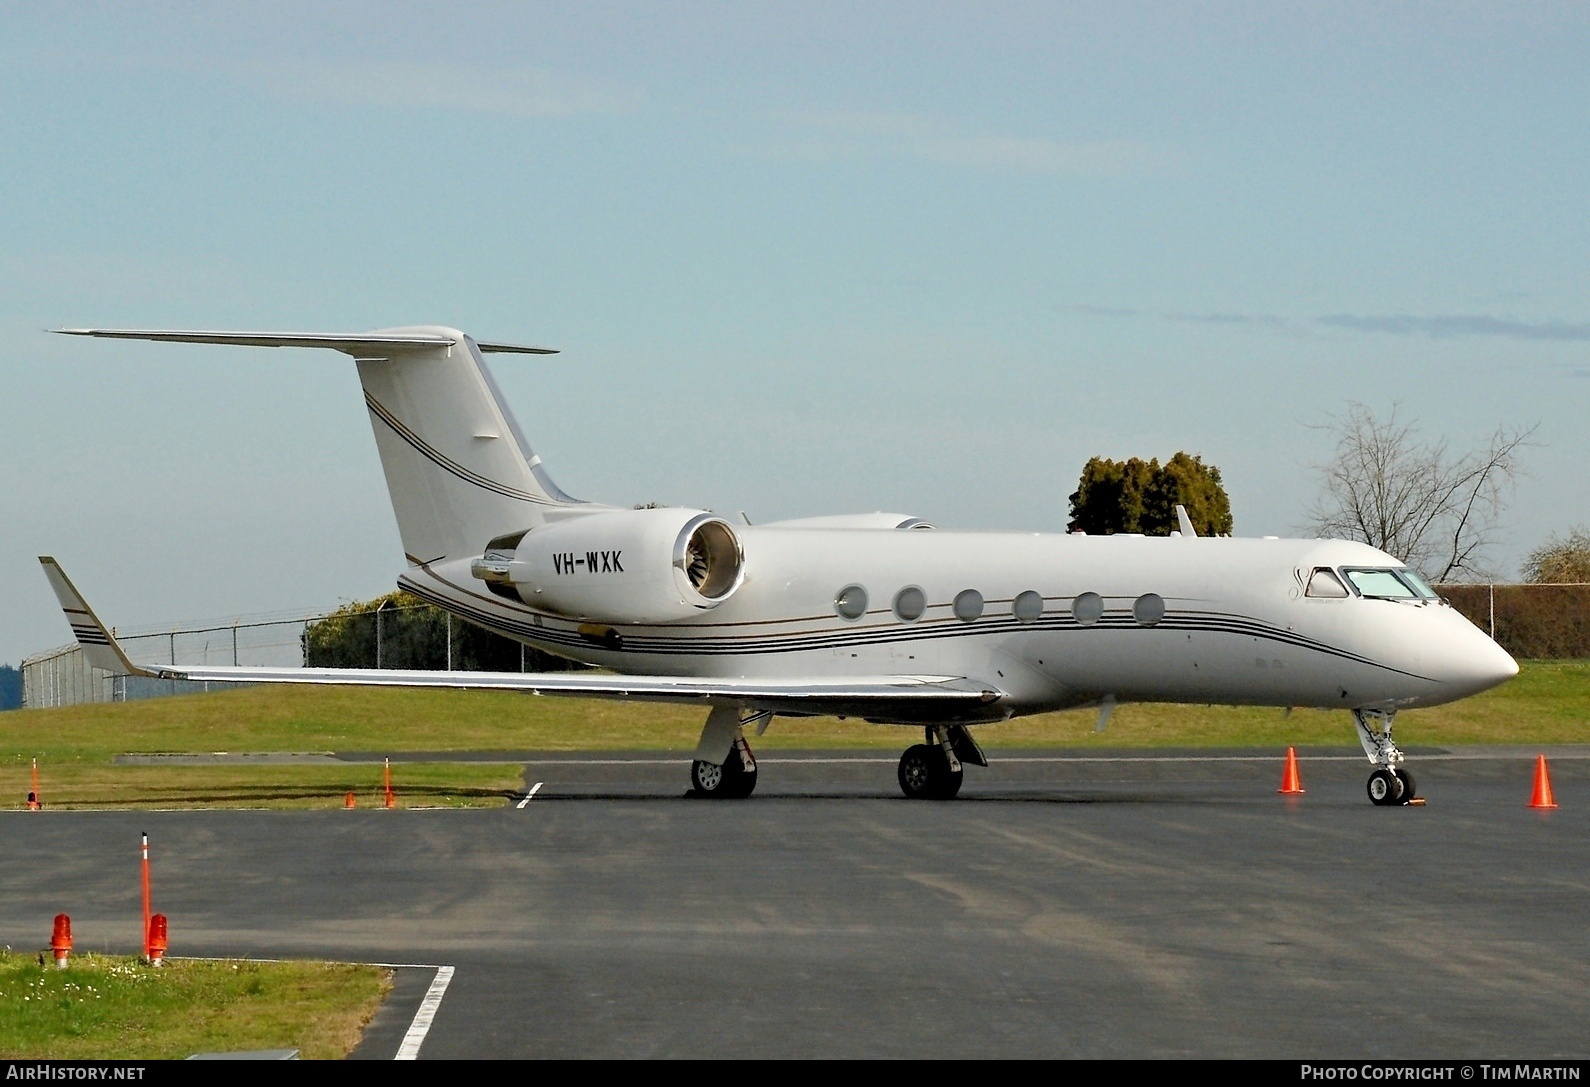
(390, 800)
(158, 939)
(34, 804)
(61, 939)
(1542, 797)
(349, 801)
(1291, 782)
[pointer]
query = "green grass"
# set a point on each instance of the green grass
(1549, 702)
(111, 1007)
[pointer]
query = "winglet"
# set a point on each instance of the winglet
(99, 648)
(1187, 530)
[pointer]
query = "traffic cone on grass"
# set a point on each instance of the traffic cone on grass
(1542, 798)
(157, 941)
(1291, 782)
(33, 792)
(61, 939)
(391, 798)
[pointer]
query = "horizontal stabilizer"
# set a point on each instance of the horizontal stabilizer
(353, 343)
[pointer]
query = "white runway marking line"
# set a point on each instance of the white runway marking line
(534, 789)
(410, 1049)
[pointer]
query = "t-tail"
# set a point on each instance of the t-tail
(458, 467)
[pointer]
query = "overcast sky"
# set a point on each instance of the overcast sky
(799, 258)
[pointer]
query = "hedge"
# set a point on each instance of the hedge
(1532, 621)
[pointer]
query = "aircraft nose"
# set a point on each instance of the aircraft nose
(1482, 664)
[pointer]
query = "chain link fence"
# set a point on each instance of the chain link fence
(392, 632)
(1548, 621)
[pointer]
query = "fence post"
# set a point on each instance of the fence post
(449, 641)
(378, 635)
(235, 622)
(1492, 587)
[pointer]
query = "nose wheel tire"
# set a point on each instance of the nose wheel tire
(925, 774)
(1387, 788)
(731, 781)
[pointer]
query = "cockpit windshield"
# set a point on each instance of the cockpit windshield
(1398, 584)
(1420, 586)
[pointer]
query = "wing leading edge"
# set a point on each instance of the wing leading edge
(895, 698)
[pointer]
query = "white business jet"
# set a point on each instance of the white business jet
(878, 616)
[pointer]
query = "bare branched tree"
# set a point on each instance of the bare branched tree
(1436, 510)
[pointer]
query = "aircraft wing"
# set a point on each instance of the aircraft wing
(892, 697)
(357, 344)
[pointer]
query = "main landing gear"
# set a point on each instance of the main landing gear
(933, 771)
(734, 780)
(1389, 784)
(724, 768)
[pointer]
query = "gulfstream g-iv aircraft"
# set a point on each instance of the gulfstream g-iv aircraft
(878, 616)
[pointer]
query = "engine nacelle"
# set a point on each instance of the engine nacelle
(627, 566)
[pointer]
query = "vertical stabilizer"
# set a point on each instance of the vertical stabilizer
(457, 466)
(459, 469)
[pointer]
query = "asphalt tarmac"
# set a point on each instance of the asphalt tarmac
(1068, 904)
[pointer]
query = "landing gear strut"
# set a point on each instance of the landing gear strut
(1389, 784)
(724, 768)
(933, 771)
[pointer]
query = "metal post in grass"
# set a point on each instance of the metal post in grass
(146, 894)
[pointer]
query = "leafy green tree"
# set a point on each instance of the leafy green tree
(1560, 560)
(399, 630)
(1185, 480)
(10, 687)
(1110, 496)
(1142, 496)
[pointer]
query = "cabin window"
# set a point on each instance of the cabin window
(909, 604)
(1027, 607)
(1380, 584)
(1148, 609)
(968, 604)
(1324, 584)
(851, 603)
(1087, 609)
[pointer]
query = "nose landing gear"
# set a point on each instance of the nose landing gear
(1389, 784)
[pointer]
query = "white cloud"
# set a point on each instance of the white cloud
(822, 137)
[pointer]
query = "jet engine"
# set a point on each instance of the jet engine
(627, 566)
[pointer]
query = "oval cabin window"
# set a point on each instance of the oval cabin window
(968, 604)
(909, 604)
(851, 603)
(1028, 607)
(1087, 609)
